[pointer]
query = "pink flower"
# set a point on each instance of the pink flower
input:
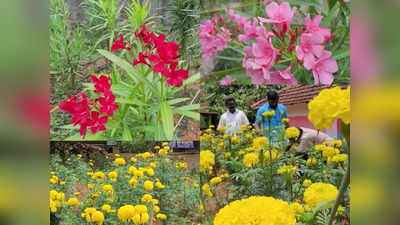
(227, 81)
(278, 14)
(259, 59)
(211, 41)
(312, 26)
(324, 68)
(282, 77)
(254, 30)
(240, 20)
(310, 45)
(346, 0)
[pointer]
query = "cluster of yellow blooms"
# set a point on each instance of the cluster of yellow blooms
(271, 155)
(207, 190)
(311, 161)
(250, 159)
(268, 113)
(181, 165)
(260, 142)
(93, 216)
(317, 193)
(288, 169)
(330, 153)
(256, 210)
(136, 214)
(329, 105)
(292, 132)
(56, 200)
(307, 182)
(207, 161)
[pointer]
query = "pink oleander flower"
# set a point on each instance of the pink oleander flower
(258, 60)
(324, 68)
(254, 30)
(240, 20)
(211, 41)
(282, 77)
(346, 0)
(310, 45)
(227, 81)
(278, 14)
(312, 26)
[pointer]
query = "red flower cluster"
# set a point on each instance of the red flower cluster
(161, 55)
(84, 111)
(119, 44)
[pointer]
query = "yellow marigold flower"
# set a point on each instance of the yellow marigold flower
(98, 175)
(207, 190)
(126, 213)
(138, 173)
(311, 161)
(141, 209)
(79, 156)
(248, 136)
(221, 129)
(89, 174)
(144, 218)
(54, 180)
(340, 210)
(90, 186)
(256, 210)
(159, 185)
(296, 207)
(113, 176)
(215, 180)
(271, 156)
(307, 182)
(62, 182)
(336, 143)
(133, 182)
(98, 218)
(285, 120)
(156, 209)
(317, 193)
(153, 165)
(164, 144)
(131, 170)
(107, 188)
(235, 139)
(292, 132)
(155, 201)
(329, 105)
(161, 216)
(325, 171)
(319, 147)
(163, 152)
(288, 169)
(260, 142)
(166, 160)
(268, 114)
(339, 158)
(73, 202)
(148, 185)
(87, 214)
(207, 161)
(250, 159)
(150, 172)
(120, 161)
(133, 159)
(196, 185)
(241, 152)
(77, 193)
(106, 208)
(52, 172)
(146, 198)
(227, 155)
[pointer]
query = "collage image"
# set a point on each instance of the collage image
(189, 112)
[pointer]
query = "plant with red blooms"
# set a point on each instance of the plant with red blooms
(284, 46)
(91, 113)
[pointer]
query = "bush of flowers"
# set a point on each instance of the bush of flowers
(286, 42)
(137, 97)
(148, 188)
(267, 182)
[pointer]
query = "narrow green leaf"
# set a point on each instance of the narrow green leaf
(194, 115)
(126, 135)
(189, 107)
(167, 119)
(177, 100)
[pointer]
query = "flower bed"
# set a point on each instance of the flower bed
(148, 188)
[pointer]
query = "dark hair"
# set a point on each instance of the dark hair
(272, 95)
(229, 98)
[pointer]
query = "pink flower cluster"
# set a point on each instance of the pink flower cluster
(212, 40)
(262, 49)
(88, 113)
(160, 55)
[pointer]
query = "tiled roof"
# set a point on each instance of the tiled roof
(293, 95)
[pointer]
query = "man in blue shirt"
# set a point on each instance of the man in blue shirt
(270, 121)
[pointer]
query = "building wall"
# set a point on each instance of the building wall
(298, 117)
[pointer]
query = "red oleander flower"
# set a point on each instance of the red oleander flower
(161, 56)
(89, 113)
(119, 44)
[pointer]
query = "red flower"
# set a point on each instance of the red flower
(78, 107)
(107, 104)
(141, 59)
(98, 122)
(101, 84)
(119, 44)
(144, 35)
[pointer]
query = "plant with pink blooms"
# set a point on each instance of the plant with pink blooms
(301, 43)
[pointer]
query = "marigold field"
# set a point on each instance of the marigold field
(255, 179)
(146, 188)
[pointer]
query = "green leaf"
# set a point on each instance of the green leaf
(177, 100)
(126, 135)
(194, 115)
(332, 3)
(129, 102)
(167, 119)
(342, 54)
(128, 68)
(189, 107)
